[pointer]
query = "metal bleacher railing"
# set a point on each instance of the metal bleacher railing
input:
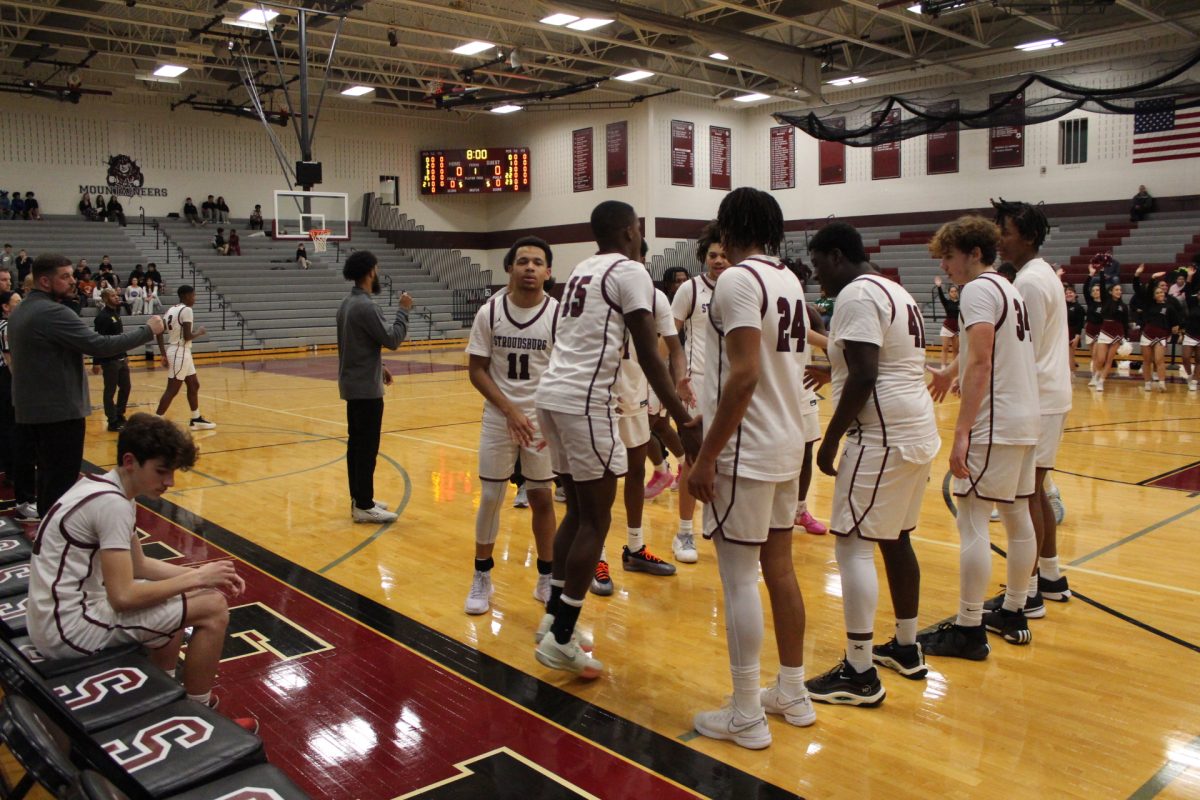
(449, 266)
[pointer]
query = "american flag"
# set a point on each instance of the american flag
(1160, 133)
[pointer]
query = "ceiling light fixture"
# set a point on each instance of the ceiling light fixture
(915, 8)
(588, 24)
(719, 56)
(751, 98)
(357, 91)
(636, 75)
(506, 109)
(1041, 44)
(472, 48)
(559, 19)
(260, 15)
(170, 71)
(852, 79)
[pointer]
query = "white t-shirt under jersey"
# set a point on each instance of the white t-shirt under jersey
(878, 311)
(1042, 290)
(173, 320)
(632, 389)
(518, 341)
(690, 307)
(1006, 415)
(760, 293)
(591, 334)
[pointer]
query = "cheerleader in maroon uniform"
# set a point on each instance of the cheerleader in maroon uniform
(1159, 319)
(1076, 317)
(950, 323)
(1114, 322)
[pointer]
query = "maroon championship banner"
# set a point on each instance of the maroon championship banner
(616, 151)
(1006, 141)
(720, 141)
(581, 160)
(683, 153)
(783, 157)
(831, 156)
(885, 156)
(941, 146)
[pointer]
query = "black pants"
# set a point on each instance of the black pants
(116, 389)
(364, 419)
(59, 449)
(8, 424)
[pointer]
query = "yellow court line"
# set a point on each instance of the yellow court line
(443, 667)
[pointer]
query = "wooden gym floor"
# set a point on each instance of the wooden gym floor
(1100, 705)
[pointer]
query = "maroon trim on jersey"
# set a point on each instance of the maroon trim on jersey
(854, 515)
(613, 437)
(604, 277)
(878, 413)
(891, 300)
(737, 457)
(492, 314)
(695, 298)
(587, 403)
(533, 319)
(762, 308)
(1003, 300)
(704, 277)
(776, 264)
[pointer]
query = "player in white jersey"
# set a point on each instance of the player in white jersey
(92, 587)
(607, 300)
(509, 350)
(877, 356)
(812, 420)
(690, 308)
(1023, 228)
(994, 438)
(176, 354)
(747, 470)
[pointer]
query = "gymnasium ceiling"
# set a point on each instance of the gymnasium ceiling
(788, 50)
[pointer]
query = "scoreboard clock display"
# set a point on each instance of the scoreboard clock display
(484, 170)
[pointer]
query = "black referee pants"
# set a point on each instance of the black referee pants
(364, 419)
(116, 389)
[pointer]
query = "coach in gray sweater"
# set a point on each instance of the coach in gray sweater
(361, 333)
(50, 392)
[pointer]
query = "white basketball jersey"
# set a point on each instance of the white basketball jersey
(1007, 414)
(1042, 290)
(65, 575)
(632, 389)
(878, 311)
(174, 320)
(591, 334)
(518, 341)
(691, 306)
(760, 293)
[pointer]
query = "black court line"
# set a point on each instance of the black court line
(657, 753)
(1098, 478)
(1167, 773)
(1195, 648)
(1098, 425)
(1131, 537)
(1168, 473)
(429, 427)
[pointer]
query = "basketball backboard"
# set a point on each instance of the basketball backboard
(296, 213)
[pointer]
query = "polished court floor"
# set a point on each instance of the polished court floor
(1100, 705)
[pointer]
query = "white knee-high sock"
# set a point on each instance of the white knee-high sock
(1022, 551)
(738, 566)
(974, 558)
(860, 595)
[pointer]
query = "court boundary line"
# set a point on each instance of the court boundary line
(1165, 775)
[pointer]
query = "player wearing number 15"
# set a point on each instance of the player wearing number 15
(509, 350)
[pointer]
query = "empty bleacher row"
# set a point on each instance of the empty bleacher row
(89, 727)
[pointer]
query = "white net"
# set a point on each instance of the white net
(320, 239)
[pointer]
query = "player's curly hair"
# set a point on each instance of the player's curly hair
(1029, 220)
(709, 236)
(964, 235)
(149, 436)
(750, 217)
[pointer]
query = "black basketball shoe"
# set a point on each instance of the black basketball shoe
(844, 685)
(956, 641)
(1056, 590)
(907, 659)
(1035, 608)
(1009, 624)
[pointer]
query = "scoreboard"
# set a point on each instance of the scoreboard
(484, 170)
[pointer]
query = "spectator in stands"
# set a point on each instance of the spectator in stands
(235, 243)
(5, 205)
(101, 209)
(138, 273)
(116, 211)
(116, 367)
(152, 304)
(86, 284)
(208, 209)
(18, 206)
(106, 592)
(98, 292)
(134, 298)
(302, 256)
(218, 242)
(24, 265)
(824, 305)
(6, 283)
(256, 218)
(80, 266)
(152, 273)
(106, 271)
(33, 209)
(7, 260)
(49, 384)
(1179, 289)
(1107, 266)
(86, 209)
(222, 209)
(1142, 205)
(191, 214)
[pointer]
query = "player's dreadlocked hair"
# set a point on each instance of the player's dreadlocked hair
(751, 218)
(1029, 220)
(709, 236)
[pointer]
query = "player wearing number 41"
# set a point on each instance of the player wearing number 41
(995, 438)
(509, 349)
(176, 355)
(876, 350)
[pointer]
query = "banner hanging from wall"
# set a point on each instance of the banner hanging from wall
(1006, 140)
(783, 157)
(941, 146)
(683, 153)
(720, 140)
(831, 156)
(582, 178)
(885, 156)
(616, 151)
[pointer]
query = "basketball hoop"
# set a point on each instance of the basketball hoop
(320, 239)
